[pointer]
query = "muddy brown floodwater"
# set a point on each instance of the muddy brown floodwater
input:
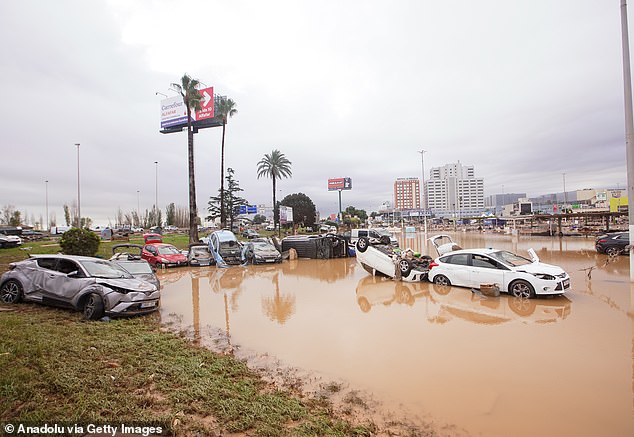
(503, 366)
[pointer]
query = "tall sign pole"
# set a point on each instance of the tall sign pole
(78, 198)
(629, 127)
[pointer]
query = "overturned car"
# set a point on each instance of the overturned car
(380, 257)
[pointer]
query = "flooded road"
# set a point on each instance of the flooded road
(491, 366)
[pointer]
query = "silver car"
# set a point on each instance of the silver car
(95, 286)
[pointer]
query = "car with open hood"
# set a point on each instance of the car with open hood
(95, 286)
(199, 255)
(384, 259)
(511, 273)
(128, 257)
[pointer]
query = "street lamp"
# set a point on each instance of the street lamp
(565, 197)
(47, 224)
(138, 209)
(78, 197)
(156, 185)
(423, 194)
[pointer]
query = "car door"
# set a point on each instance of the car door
(456, 269)
(65, 282)
(484, 270)
(44, 269)
(149, 254)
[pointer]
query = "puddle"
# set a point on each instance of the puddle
(491, 366)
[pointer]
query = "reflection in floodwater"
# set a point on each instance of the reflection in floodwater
(484, 364)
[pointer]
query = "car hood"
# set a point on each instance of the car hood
(266, 252)
(132, 284)
(175, 257)
(540, 267)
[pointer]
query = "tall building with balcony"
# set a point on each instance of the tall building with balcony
(453, 190)
(407, 193)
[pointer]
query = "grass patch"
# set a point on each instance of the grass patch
(59, 369)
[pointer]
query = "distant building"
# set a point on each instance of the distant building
(407, 193)
(495, 203)
(453, 190)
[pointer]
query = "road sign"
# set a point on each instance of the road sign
(252, 209)
(206, 104)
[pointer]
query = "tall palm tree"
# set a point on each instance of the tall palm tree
(275, 166)
(225, 109)
(188, 89)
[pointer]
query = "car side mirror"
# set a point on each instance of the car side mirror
(73, 274)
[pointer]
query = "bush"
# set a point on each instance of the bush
(78, 241)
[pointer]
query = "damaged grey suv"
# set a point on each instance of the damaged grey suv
(92, 285)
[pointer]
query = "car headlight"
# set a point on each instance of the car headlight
(117, 289)
(544, 276)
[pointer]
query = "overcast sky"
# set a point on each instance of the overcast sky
(522, 90)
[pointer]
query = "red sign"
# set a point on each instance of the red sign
(339, 184)
(206, 104)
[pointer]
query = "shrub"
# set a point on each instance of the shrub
(78, 241)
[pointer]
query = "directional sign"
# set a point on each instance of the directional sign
(206, 104)
(252, 209)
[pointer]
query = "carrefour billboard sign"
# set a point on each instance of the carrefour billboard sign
(174, 111)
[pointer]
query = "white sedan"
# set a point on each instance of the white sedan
(512, 273)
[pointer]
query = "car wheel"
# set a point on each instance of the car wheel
(385, 240)
(441, 280)
(11, 291)
(362, 244)
(405, 266)
(522, 288)
(93, 308)
(612, 251)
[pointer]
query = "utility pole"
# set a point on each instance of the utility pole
(47, 223)
(422, 191)
(629, 127)
(78, 198)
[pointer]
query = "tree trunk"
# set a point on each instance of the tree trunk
(193, 211)
(275, 216)
(223, 216)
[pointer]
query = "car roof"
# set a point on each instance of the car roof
(71, 257)
(150, 243)
(225, 235)
(478, 251)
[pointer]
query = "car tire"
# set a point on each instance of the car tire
(385, 240)
(11, 291)
(362, 244)
(93, 307)
(612, 251)
(521, 288)
(441, 280)
(405, 266)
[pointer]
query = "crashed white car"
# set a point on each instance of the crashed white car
(512, 273)
(379, 257)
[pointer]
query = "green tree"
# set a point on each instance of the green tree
(79, 241)
(275, 166)
(66, 215)
(304, 210)
(170, 214)
(224, 109)
(230, 201)
(258, 219)
(354, 212)
(188, 89)
(15, 219)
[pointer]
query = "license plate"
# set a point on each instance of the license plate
(270, 260)
(566, 283)
(148, 304)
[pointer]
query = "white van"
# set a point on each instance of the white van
(59, 230)
(374, 233)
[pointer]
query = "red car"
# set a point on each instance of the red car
(162, 254)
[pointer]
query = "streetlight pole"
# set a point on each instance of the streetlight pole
(78, 196)
(629, 127)
(47, 224)
(565, 196)
(156, 190)
(138, 209)
(423, 194)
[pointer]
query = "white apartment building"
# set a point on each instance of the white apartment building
(453, 190)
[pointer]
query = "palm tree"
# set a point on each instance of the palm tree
(274, 166)
(188, 89)
(225, 109)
